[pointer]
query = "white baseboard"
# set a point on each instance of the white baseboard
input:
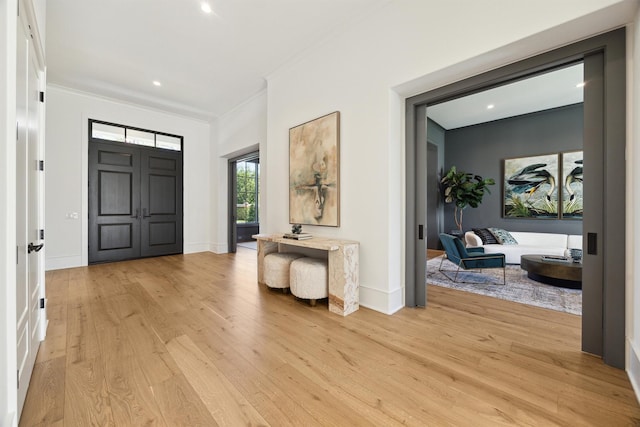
(219, 248)
(634, 368)
(10, 420)
(387, 302)
(58, 263)
(192, 248)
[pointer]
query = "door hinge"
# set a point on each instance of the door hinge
(41, 302)
(41, 96)
(17, 255)
(18, 378)
(41, 165)
(42, 234)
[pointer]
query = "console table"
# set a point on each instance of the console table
(342, 266)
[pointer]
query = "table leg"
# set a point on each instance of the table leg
(264, 248)
(343, 275)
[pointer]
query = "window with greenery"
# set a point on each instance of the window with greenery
(247, 190)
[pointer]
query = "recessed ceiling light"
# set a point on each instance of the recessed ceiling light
(581, 84)
(206, 7)
(157, 83)
(490, 106)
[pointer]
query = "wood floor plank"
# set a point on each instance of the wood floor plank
(194, 340)
(225, 403)
(180, 404)
(48, 403)
(158, 319)
(130, 394)
(86, 401)
(157, 364)
(82, 341)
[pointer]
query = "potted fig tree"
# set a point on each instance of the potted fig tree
(463, 189)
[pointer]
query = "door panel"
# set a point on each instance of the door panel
(114, 188)
(162, 233)
(161, 202)
(115, 191)
(22, 210)
(29, 273)
(115, 236)
(34, 178)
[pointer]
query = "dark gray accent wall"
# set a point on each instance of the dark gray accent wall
(481, 149)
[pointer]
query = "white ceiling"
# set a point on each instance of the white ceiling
(542, 92)
(207, 64)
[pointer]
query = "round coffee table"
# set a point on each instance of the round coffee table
(566, 274)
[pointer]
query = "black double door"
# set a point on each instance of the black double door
(135, 202)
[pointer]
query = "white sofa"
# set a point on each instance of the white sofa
(528, 243)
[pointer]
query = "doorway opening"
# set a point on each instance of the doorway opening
(603, 320)
(244, 200)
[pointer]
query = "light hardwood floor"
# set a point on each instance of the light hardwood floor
(192, 340)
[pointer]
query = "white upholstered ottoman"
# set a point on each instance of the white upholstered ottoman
(308, 279)
(276, 269)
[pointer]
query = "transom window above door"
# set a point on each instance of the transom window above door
(104, 131)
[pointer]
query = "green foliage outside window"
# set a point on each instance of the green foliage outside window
(247, 192)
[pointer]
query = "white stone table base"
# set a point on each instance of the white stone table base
(343, 265)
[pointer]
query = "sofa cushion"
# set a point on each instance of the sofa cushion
(503, 236)
(486, 236)
(540, 239)
(574, 242)
(514, 252)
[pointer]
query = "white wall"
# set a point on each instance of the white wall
(240, 131)
(633, 195)
(364, 72)
(66, 153)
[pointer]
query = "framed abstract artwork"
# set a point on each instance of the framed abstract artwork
(314, 172)
(572, 198)
(530, 187)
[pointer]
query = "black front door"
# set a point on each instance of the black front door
(161, 202)
(135, 202)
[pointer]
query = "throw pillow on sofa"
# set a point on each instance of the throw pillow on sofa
(503, 236)
(486, 236)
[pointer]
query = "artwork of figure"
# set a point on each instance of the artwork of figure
(314, 172)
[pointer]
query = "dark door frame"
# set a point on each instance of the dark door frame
(232, 232)
(604, 133)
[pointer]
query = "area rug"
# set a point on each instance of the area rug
(519, 287)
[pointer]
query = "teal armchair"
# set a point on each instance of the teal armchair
(469, 258)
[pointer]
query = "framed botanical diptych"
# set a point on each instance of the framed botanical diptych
(545, 186)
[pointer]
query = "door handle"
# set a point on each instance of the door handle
(137, 214)
(34, 248)
(144, 213)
